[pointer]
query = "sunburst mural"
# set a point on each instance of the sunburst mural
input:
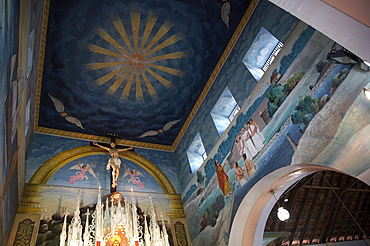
(134, 65)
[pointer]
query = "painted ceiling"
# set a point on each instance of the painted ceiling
(134, 69)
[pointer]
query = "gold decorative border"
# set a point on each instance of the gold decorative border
(44, 28)
(46, 170)
(89, 137)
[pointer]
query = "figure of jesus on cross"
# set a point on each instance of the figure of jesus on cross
(114, 162)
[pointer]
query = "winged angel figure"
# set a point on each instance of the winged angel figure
(166, 127)
(133, 179)
(81, 173)
(60, 108)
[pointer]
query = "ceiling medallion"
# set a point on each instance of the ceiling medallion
(132, 62)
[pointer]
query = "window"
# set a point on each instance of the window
(27, 120)
(261, 53)
(196, 153)
(224, 111)
(272, 56)
(234, 112)
(31, 40)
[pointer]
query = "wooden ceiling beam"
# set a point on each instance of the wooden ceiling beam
(325, 234)
(322, 209)
(347, 198)
(356, 209)
(308, 220)
(299, 217)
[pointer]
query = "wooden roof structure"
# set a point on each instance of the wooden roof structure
(324, 207)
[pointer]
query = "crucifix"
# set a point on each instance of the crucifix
(114, 163)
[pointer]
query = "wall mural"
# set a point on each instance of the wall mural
(269, 134)
(238, 79)
(90, 171)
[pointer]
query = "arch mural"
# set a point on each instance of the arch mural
(50, 167)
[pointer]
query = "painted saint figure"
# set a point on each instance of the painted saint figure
(255, 134)
(248, 147)
(250, 167)
(239, 174)
(239, 144)
(81, 174)
(223, 179)
(114, 162)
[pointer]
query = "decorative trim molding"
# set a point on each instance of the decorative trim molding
(88, 137)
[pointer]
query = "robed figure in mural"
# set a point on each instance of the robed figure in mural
(223, 179)
(248, 146)
(255, 134)
(114, 162)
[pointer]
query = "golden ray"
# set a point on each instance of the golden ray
(139, 89)
(135, 25)
(162, 80)
(161, 32)
(118, 83)
(107, 77)
(167, 42)
(148, 85)
(97, 49)
(104, 35)
(127, 88)
(152, 19)
(117, 22)
(174, 55)
(169, 70)
(136, 60)
(99, 65)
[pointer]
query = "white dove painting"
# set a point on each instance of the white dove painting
(225, 12)
(166, 127)
(60, 108)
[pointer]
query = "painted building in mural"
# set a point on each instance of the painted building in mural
(295, 113)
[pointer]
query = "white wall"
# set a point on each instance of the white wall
(338, 26)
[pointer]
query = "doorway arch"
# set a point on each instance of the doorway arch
(250, 218)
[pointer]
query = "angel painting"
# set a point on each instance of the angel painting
(60, 108)
(81, 173)
(166, 127)
(133, 177)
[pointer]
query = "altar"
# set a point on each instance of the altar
(115, 222)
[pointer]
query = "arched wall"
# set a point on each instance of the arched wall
(251, 216)
(46, 170)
